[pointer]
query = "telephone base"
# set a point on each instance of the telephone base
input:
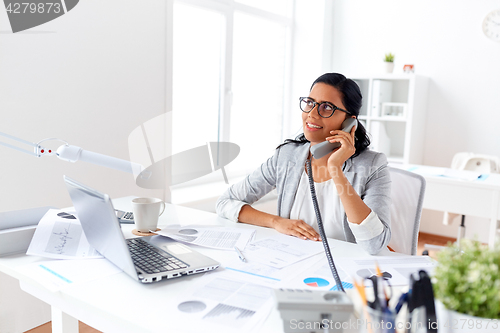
(307, 311)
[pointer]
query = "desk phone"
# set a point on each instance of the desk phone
(300, 309)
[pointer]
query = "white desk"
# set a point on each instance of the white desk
(476, 198)
(117, 303)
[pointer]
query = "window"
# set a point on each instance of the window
(259, 58)
(280, 7)
(231, 61)
(197, 44)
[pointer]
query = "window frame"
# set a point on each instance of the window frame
(227, 9)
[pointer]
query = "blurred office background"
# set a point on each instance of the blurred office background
(229, 71)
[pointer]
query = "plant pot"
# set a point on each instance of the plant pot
(389, 67)
(450, 321)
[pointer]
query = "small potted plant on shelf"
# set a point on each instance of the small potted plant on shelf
(389, 62)
(467, 283)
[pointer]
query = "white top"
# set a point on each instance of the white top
(329, 207)
(332, 212)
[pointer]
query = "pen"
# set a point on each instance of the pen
(240, 255)
(382, 292)
(402, 300)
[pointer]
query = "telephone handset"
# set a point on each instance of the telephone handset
(323, 148)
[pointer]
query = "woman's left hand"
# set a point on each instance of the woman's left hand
(346, 150)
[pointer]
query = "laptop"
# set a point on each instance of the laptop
(146, 259)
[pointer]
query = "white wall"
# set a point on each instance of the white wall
(89, 77)
(444, 40)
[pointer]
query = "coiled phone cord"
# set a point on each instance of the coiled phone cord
(321, 229)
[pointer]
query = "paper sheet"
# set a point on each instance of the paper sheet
(215, 237)
(319, 276)
(446, 172)
(59, 235)
(57, 274)
(258, 272)
(223, 303)
(281, 250)
(266, 275)
(398, 267)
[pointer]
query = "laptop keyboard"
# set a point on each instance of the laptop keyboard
(149, 259)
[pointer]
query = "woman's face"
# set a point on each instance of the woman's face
(317, 128)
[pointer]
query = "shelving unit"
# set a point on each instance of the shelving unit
(394, 112)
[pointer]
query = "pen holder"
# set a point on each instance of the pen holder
(380, 321)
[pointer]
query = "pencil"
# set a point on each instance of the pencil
(361, 291)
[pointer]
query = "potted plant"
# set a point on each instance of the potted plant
(389, 62)
(467, 283)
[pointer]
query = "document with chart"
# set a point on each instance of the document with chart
(395, 269)
(59, 274)
(317, 275)
(59, 235)
(214, 237)
(281, 250)
(223, 303)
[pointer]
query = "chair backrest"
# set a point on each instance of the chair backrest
(476, 162)
(407, 193)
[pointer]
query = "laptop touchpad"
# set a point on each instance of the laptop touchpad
(177, 249)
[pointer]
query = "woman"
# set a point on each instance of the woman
(352, 183)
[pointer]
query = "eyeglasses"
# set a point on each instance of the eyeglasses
(325, 109)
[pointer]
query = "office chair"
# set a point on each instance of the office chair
(407, 193)
(472, 162)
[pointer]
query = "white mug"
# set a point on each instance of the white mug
(146, 213)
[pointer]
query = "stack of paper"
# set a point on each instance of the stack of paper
(281, 250)
(397, 269)
(224, 303)
(214, 237)
(446, 172)
(275, 260)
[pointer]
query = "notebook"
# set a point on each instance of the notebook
(146, 259)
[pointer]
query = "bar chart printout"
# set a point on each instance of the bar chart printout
(224, 303)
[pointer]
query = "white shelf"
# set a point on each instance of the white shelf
(386, 76)
(389, 118)
(394, 112)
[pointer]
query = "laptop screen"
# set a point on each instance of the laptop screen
(100, 224)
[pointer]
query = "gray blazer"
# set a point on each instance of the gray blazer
(367, 173)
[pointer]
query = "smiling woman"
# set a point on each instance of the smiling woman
(353, 183)
(321, 88)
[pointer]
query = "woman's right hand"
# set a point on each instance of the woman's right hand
(297, 228)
